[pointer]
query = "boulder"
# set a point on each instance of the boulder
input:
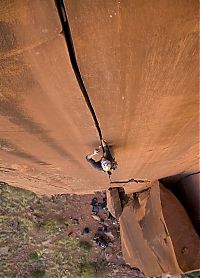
(134, 187)
(114, 202)
(145, 240)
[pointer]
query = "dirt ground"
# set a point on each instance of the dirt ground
(43, 237)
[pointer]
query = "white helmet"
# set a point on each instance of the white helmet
(106, 165)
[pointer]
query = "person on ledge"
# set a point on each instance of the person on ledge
(107, 163)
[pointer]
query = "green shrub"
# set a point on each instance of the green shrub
(93, 269)
(86, 246)
(35, 255)
(191, 274)
(38, 273)
(50, 225)
(16, 199)
(87, 270)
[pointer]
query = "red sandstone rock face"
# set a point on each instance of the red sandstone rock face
(145, 240)
(113, 202)
(45, 127)
(156, 228)
(139, 62)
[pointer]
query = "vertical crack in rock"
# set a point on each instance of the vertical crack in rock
(70, 45)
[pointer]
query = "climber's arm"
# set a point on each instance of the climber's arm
(95, 164)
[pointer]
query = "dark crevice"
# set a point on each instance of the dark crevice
(70, 45)
(129, 181)
(187, 193)
(168, 181)
(123, 197)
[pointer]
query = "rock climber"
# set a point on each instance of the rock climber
(107, 163)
